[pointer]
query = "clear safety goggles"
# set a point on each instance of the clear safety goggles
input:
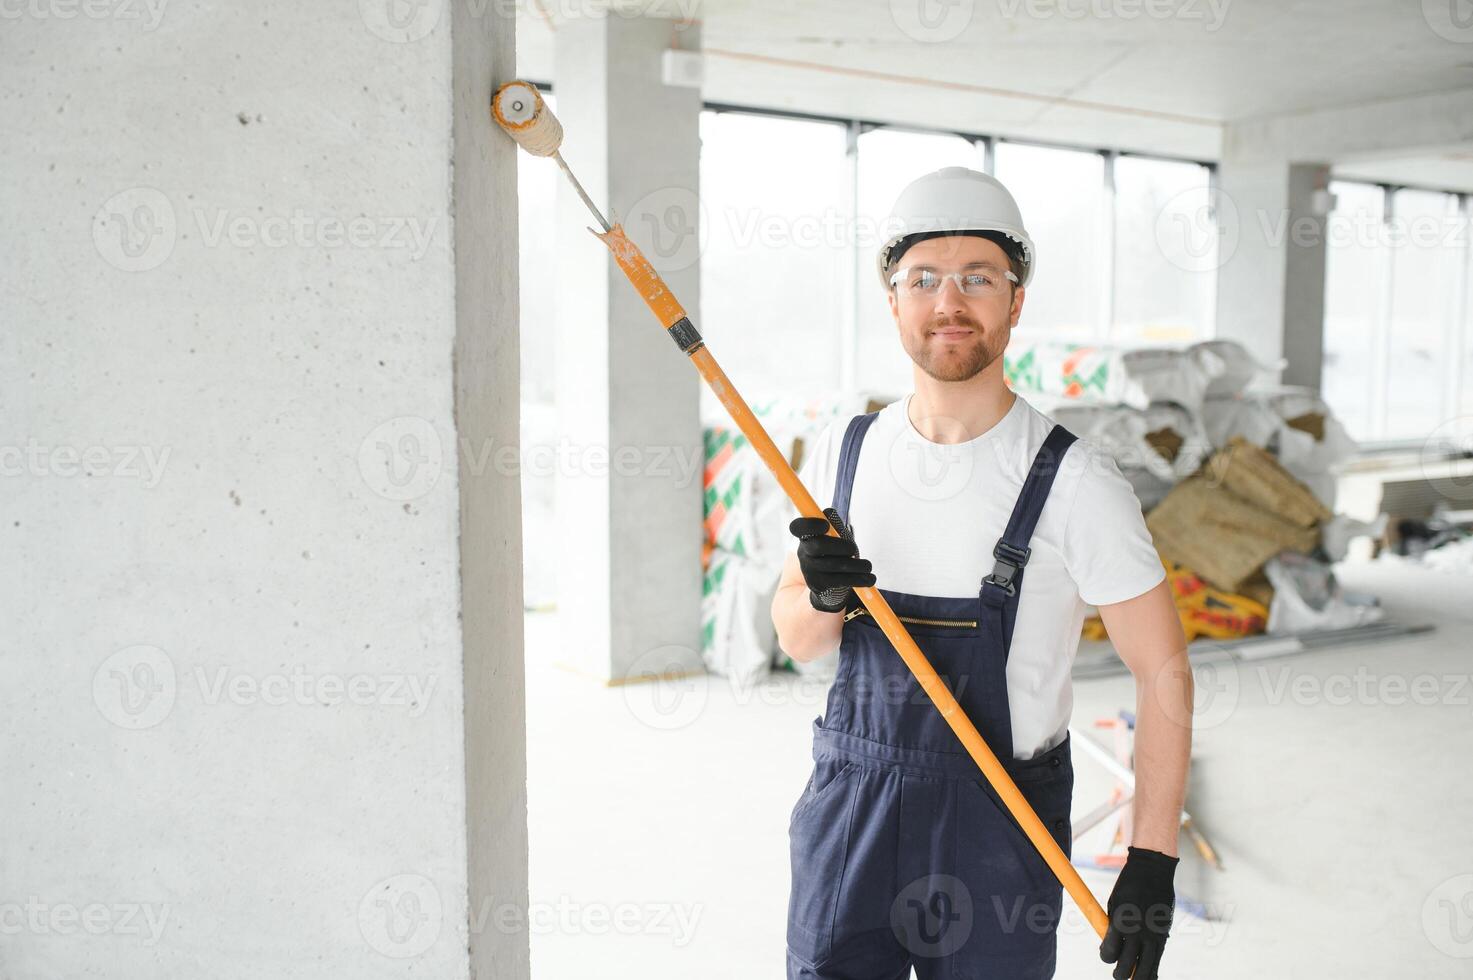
(925, 280)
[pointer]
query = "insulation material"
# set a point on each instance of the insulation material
(736, 617)
(1253, 474)
(1155, 375)
(1206, 612)
(1307, 597)
(1294, 424)
(1220, 535)
(1455, 557)
(1066, 371)
(1337, 533)
(746, 528)
(1247, 416)
(1138, 377)
(1239, 369)
(1165, 441)
(1312, 441)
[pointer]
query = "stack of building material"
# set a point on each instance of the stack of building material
(746, 533)
(1294, 424)
(1226, 521)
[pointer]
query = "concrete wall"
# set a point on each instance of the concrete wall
(248, 309)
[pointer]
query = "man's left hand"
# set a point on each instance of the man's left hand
(1140, 909)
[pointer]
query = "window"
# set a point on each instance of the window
(1354, 294)
(1165, 252)
(1062, 196)
(1422, 274)
(773, 275)
(1396, 316)
(791, 215)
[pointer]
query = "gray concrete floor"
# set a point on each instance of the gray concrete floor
(659, 811)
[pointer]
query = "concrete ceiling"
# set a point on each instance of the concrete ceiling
(1451, 170)
(1150, 75)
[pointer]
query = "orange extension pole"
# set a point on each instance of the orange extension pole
(519, 110)
(672, 316)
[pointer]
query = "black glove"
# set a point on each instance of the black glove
(831, 566)
(1140, 908)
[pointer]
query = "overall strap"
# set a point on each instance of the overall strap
(849, 461)
(1000, 588)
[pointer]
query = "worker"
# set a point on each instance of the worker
(903, 856)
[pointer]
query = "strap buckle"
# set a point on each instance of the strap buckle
(1010, 561)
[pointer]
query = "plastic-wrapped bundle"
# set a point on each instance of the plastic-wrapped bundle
(1294, 424)
(1155, 447)
(1239, 369)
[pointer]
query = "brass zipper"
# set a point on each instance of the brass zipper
(861, 611)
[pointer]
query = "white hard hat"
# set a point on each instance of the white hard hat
(955, 199)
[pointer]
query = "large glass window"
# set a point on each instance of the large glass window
(1062, 196)
(1422, 276)
(773, 273)
(1354, 295)
(1165, 252)
(1396, 318)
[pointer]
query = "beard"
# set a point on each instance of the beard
(954, 360)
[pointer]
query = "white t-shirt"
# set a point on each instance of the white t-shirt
(927, 516)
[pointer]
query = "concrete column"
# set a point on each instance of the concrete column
(1271, 285)
(629, 484)
(261, 601)
(487, 420)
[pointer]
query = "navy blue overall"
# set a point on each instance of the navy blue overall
(902, 853)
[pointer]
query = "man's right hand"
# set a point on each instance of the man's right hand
(831, 566)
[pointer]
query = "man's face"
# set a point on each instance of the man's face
(950, 335)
